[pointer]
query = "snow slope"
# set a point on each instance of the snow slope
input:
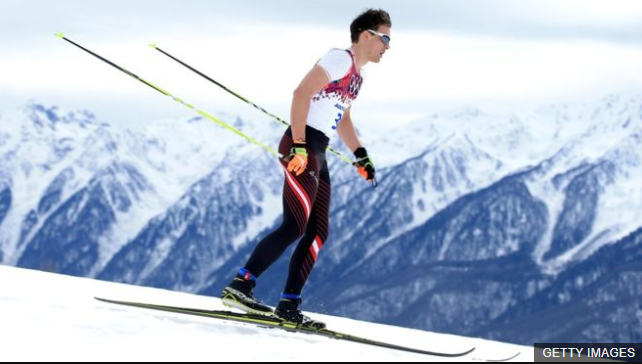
(51, 317)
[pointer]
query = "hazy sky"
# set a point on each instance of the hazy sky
(445, 53)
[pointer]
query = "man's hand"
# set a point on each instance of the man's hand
(298, 158)
(364, 164)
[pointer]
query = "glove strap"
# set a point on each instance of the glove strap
(367, 160)
(299, 148)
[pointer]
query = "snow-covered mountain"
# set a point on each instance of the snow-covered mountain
(480, 224)
(81, 190)
(58, 315)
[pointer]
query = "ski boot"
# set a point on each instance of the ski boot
(288, 310)
(238, 294)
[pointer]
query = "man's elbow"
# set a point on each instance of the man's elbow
(300, 94)
(304, 92)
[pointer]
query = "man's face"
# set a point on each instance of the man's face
(378, 42)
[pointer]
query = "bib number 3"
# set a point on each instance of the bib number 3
(337, 120)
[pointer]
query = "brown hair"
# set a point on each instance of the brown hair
(369, 19)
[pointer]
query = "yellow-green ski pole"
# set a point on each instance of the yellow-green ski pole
(200, 112)
(153, 45)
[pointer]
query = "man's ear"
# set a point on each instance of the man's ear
(363, 36)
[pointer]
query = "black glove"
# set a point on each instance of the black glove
(364, 164)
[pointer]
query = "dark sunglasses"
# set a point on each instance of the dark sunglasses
(385, 38)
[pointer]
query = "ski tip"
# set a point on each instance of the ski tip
(505, 359)
(60, 35)
(154, 45)
(470, 350)
(498, 360)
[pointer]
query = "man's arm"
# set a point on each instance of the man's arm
(347, 132)
(312, 83)
(349, 136)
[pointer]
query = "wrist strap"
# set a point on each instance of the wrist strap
(299, 148)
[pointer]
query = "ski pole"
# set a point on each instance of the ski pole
(200, 112)
(153, 45)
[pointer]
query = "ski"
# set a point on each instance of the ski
(500, 360)
(273, 322)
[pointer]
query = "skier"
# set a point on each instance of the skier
(320, 107)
